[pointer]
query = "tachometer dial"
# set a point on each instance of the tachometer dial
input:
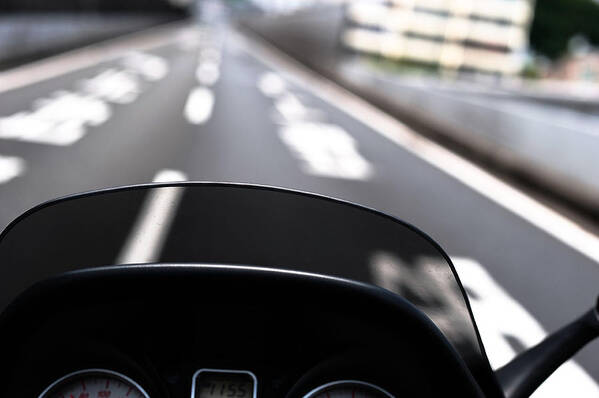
(348, 389)
(92, 383)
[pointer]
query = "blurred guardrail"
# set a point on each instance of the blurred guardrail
(33, 29)
(27, 37)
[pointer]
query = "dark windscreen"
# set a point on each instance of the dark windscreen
(236, 224)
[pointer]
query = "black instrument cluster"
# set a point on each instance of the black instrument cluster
(171, 331)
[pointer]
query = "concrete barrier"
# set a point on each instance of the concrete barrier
(26, 37)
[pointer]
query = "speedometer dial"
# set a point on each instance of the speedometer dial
(348, 389)
(94, 383)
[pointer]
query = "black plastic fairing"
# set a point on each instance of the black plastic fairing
(182, 318)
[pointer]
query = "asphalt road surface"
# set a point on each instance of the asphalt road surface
(210, 104)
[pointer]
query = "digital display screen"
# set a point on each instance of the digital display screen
(223, 384)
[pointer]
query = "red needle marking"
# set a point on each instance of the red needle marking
(353, 393)
(83, 384)
(107, 383)
(129, 392)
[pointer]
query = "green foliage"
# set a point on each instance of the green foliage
(402, 66)
(557, 21)
(531, 71)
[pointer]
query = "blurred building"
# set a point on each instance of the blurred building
(488, 36)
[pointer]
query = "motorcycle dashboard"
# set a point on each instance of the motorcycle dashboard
(174, 330)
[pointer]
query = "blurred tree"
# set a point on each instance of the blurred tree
(557, 21)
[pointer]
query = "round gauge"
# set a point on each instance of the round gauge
(92, 383)
(348, 389)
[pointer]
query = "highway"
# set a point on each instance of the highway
(212, 104)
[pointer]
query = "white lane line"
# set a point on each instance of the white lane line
(151, 228)
(200, 102)
(199, 105)
(10, 167)
(271, 84)
(506, 327)
(512, 199)
(170, 175)
(207, 73)
(500, 317)
(208, 70)
(88, 56)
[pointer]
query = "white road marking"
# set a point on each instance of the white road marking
(200, 102)
(151, 67)
(199, 105)
(118, 86)
(10, 167)
(292, 109)
(64, 117)
(170, 175)
(271, 84)
(208, 70)
(194, 37)
(89, 56)
(207, 73)
(326, 150)
(58, 120)
(512, 199)
(211, 54)
(499, 315)
(151, 228)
